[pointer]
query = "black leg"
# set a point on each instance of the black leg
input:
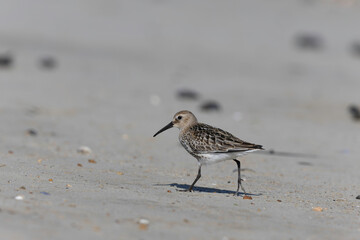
(239, 178)
(196, 179)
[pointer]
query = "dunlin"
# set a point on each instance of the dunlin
(209, 144)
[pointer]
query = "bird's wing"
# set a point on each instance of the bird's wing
(215, 140)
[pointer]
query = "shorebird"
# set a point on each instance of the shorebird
(209, 144)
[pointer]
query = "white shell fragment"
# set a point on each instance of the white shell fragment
(84, 150)
(19, 197)
(144, 221)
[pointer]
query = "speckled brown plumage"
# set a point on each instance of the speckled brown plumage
(203, 138)
(209, 144)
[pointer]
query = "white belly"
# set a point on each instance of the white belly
(209, 158)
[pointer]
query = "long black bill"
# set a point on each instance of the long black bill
(170, 125)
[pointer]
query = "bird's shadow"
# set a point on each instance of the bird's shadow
(182, 187)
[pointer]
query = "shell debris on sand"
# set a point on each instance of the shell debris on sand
(84, 150)
(19, 197)
(318, 209)
(143, 224)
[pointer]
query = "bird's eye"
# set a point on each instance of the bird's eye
(179, 117)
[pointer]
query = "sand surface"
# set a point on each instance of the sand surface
(112, 82)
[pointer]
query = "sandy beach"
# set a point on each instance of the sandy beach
(85, 85)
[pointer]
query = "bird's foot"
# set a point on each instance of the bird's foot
(184, 190)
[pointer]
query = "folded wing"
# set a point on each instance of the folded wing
(215, 140)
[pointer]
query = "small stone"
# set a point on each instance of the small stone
(23, 188)
(119, 173)
(48, 62)
(187, 94)
(67, 186)
(210, 106)
(355, 49)
(51, 180)
(6, 60)
(84, 150)
(91, 161)
(247, 197)
(279, 200)
(45, 193)
(354, 112)
(31, 132)
(358, 197)
(10, 152)
(309, 41)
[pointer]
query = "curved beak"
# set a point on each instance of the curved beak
(170, 125)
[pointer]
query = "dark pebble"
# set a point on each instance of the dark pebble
(358, 197)
(210, 106)
(309, 41)
(45, 193)
(31, 132)
(187, 94)
(6, 60)
(355, 49)
(355, 112)
(48, 62)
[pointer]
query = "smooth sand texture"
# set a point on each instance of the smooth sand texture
(118, 68)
